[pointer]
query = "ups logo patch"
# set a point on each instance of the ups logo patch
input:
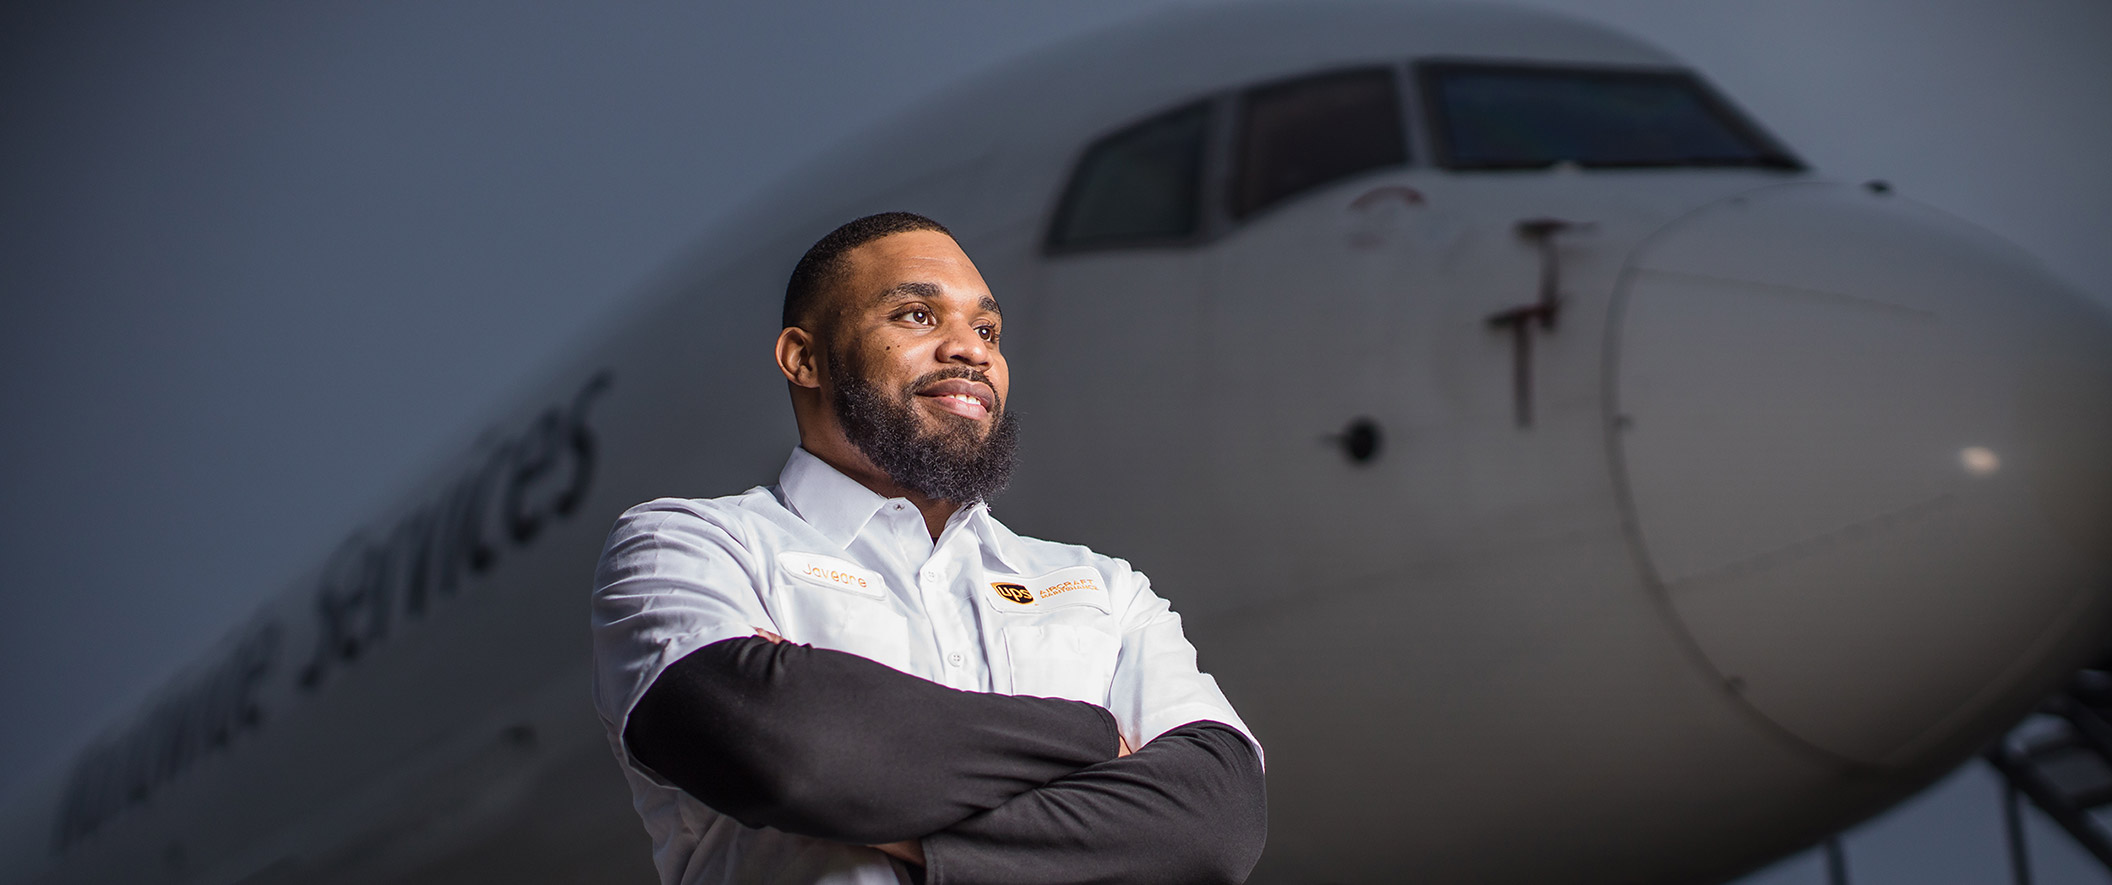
(1015, 592)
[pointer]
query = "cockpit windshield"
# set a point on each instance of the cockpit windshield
(1525, 117)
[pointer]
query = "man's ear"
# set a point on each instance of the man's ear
(798, 357)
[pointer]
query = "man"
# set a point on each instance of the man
(859, 676)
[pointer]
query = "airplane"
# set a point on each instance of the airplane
(1565, 481)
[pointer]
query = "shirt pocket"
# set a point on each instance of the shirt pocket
(1069, 661)
(831, 603)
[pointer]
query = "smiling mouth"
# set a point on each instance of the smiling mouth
(960, 404)
(960, 396)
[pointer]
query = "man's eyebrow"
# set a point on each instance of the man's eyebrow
(916, 289)
(905, 291)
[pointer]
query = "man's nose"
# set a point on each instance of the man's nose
(964, 344)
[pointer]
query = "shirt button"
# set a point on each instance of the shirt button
(931, 574)
(955, 659)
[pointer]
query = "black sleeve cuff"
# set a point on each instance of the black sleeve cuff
(1191, 806)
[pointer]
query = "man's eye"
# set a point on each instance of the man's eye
(989, 333)
(919, 316)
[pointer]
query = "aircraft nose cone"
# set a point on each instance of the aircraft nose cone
(1867, 453)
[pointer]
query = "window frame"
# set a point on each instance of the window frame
(1234, 146)
(1206, 208)
(1425, 140)
(1428, 72)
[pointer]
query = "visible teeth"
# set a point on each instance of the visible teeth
(964, 398)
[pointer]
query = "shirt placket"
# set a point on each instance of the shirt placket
(942, 583)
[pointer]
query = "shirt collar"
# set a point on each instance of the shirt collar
(838, 506)
(997, 540)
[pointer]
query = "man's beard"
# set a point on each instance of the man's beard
(949, 463)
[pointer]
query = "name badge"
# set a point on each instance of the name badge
(1077, 585)
(833, 573)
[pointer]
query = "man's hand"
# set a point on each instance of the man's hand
(910, 851)
(1187, 807)
(774, 638)
(1124, 750)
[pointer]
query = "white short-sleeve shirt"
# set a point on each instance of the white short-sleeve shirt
(822, 560)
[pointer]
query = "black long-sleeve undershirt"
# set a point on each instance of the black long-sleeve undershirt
(1000, 788)
(828, 744)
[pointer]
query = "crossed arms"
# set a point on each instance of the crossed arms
(990, 787)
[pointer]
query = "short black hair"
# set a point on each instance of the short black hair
(823, 263)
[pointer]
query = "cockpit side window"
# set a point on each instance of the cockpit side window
(1140, 186)
(1297, 135)
(1526, 117)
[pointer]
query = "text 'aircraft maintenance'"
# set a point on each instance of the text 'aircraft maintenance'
(1565, 483)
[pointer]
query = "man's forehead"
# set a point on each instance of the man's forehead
(914, 265)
